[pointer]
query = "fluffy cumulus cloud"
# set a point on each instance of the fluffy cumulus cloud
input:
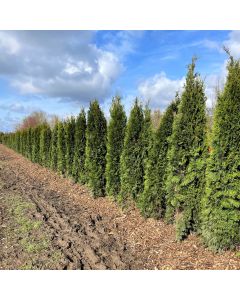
(160, 89)
(57, 64)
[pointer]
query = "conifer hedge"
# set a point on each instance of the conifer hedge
(131, 161)
(80, 147)
(147, 136)
(115, 139)
(45, 144)
(187, 157)
(29, 143)
(54, 148)
(36, 144)
(153, 199)
(70, 135)
(96, 136)
(61, 148)
(221, 204)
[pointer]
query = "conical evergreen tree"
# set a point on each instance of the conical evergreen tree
(29, 143)
(80, 148)
(22, 142)
(221, 204)
(61, 149)
(147, 136)
(36, 144)
(153, 199)
(70, 134)
(17, 145)
(187, 157)
(131, 161)
(96, 149)
(115, 139)
(54, 149)
(45, 143)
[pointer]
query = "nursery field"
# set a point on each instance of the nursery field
(49, 222)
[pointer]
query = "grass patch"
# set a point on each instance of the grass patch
(33, 245)
(27, 235)
(27, 225)
(56, 256)
(32, 239)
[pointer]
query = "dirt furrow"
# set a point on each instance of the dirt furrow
(82, 243)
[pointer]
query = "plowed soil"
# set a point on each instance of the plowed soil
(49, 222)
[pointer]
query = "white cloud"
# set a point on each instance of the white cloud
(109, 66)
(160, 89)
(61, 64)
(9, 44)
(26, 87)
(78, 67)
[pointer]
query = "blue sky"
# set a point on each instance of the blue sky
(61, 71)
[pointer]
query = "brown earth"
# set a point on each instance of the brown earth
(49, 222)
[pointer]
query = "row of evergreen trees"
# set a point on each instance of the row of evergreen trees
(174, 172)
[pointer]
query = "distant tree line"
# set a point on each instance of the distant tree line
(180, 166)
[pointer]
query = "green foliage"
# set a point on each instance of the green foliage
(22, 142)
(45, 144)
(185, 182)
(61, 149)
(146, 136)
(70, 134)
(29, 143)
(80, 148)
(36, 144)
(54, 149)
(221, 204)
(96, 149)
(16, 145)
(153, 199)
(115, 139)
(131, 161)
